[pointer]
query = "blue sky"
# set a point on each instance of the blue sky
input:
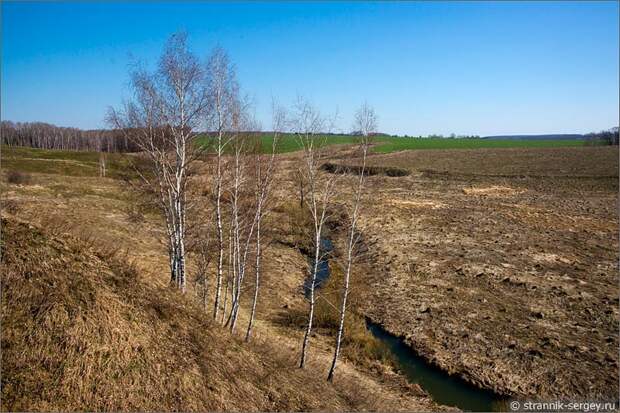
(427, 67)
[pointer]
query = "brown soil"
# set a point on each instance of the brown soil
(501, 265)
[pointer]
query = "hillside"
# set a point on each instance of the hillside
(82, 330)
(89, 322)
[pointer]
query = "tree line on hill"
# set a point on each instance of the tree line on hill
(431, 136)
(605, 137)
(46, 136)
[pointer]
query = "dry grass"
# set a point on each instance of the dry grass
(82, 330)
(359, 345)
(9, 205)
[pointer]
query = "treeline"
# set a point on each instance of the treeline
(46, 136)
(435, 136)
(606, 137)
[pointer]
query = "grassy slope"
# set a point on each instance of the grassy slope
(83, 331)
(72, 163)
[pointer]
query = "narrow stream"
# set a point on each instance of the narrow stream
(322, 269)
(442, 387)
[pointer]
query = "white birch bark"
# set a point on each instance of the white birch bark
(167, 106)
(223, 92)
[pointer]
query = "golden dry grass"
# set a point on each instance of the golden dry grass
(82, 330)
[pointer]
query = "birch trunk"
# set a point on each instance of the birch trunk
(220, 235)
(256, 282)
(349, 263)
(345, 294)
(317, 249)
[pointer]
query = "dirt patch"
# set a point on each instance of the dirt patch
(368, 170)
(495, 190)
(513, 162)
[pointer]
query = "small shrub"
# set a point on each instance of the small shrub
(18, 178)
(368, 170)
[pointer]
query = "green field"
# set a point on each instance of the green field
(290, 143)
(387, 144)
(73, 163)
(401, 144)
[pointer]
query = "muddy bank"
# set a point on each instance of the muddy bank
(444, 388)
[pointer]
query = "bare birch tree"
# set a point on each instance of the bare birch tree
(168, 105)
(366, 123)
(223, 95)
(244, 215)
(308, 125)
(264, 175)
(237, 226)
(102, 164)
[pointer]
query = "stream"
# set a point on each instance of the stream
(442, 387)
(322, 273)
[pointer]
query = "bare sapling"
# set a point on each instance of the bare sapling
(236, 226)
(243, 213)
(308, 126)
(366, 123)
(264, 175)
(223, 94)
(168, 105)
(102, 164)
(229, 274)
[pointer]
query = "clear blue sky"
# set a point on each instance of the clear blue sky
(469, 68)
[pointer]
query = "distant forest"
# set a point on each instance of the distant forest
(606, 137)
(45, 136)
(567, 136)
